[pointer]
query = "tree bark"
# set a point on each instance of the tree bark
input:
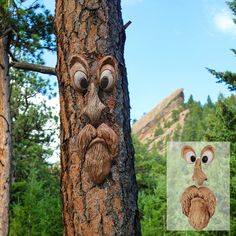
(98, 182)
(5, 138)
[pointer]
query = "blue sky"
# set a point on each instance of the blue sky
(168, 46)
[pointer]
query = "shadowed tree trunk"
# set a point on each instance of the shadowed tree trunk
(98, 183)
(5, 138)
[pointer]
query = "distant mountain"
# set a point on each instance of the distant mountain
(163, 122)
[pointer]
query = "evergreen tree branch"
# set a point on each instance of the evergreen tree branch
(7, 32)
(227, 77)
(34, 67)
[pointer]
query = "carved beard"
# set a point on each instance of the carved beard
(198, 204)
(99, 147)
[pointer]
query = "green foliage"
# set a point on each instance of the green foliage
(158, 131)
(209, 103)
(153, 209)
(227, 77)
(178, 133)
(222, 127)
(150, 174)
(217, 123)
(190, 100)
(31, 27)
(35, 199)
(167, 124)
(194, 125)
(30, 134)
(225, 118)
(147, 166)
(36, 206)
(134, 121)
(175, 115)
(232, 6)
(209, 122)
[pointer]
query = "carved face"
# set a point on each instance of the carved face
(98, 139)
(198, 203)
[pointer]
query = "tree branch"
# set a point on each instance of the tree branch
(125, 26)
(33, 67)
(8, 31)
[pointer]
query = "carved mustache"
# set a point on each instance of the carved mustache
(198, 204)
(99, 147)
(89, 135)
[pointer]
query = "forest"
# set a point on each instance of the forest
(35, 197)
(151, 166)
(37, 182)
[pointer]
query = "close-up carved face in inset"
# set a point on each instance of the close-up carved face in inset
(198, 202)
(95, 84)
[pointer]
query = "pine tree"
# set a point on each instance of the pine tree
(26, 30)
(228, 77)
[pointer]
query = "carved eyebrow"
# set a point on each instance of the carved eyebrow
(107, 60)
(76, 59)
(187, 148)
(208, 148)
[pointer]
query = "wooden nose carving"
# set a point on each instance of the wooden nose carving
(94, 107)
(198, 175)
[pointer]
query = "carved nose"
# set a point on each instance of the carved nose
(198, 175)
(94, 106)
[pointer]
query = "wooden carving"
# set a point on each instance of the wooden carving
(198, 203)
(97, 141)
(98, 184)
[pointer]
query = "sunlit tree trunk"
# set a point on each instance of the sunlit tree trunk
(5, 138)
(98, 183)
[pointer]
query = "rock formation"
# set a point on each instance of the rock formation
(163, 122)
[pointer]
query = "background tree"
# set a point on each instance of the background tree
(5, 138)
(27, 29)
(228, 77)
(35, 197)
(151, 177)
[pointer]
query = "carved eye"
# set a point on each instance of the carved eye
(106, 80)
(207, 154)
(80, 80)
(190, 157)
(188, 154)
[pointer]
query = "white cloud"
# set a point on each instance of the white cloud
(223, 21)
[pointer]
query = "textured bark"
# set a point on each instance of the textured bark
(5, 138)
(95, 203)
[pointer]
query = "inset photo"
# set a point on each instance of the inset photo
(198, 186)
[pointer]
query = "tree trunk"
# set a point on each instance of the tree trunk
(5, 138)
(98, 182)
